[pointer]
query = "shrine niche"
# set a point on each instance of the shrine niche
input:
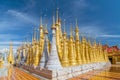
(113, 53)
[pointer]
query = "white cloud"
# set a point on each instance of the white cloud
(8, 25)
(8, 37)
(22, 16)
(109, 36)
(5, 40)
(92, 31)
(5, 46)
(15, 20)
(7, 43)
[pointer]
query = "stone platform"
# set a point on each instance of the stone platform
(67, 72)
(108, 73)
(70, 72)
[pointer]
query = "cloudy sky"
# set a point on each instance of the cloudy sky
(99, 18)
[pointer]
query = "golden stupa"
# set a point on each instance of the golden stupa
(64, 53)
(1, 62)
(10, 55)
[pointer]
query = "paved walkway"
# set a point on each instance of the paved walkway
(112, 73)
(17, 74)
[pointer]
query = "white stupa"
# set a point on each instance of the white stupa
(53, 59)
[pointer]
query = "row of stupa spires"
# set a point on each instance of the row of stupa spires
(71, 51)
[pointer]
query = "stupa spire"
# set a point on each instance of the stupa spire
(41, 29)
(41, 21)
(65, 60)
(10, 56)
(78, 57)
(35, 34)
(57, 15)
(72, 59)
(53, 25)
(71, 32)
(32, 39)
(83, 50)
(76, 24)
(64, 25)
(53, 19)
(77, 31)
(44, 58)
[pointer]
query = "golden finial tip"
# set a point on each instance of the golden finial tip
(76, 22)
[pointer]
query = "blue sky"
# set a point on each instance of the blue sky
(99, 18)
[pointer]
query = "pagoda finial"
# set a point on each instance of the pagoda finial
(76, 24)
(77, 31)
(71, 31)
(83, 37)
(41, 20)
(53, 20)
(10, 43)
(89, 42)
(34, 34)
(95, 42)
(32, 38)
(57, 15)
(46, 32)
(37, 36)
(53, 25)
(64, 25)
